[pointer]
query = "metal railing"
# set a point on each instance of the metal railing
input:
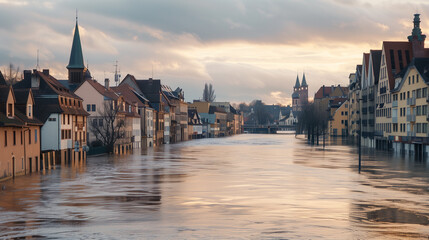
(411, 134)
(411, 117)
(411, 101)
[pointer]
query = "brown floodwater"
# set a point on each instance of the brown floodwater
(241, 187)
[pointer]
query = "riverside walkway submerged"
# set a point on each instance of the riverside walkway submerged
(246, 186)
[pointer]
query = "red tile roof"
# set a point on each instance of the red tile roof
(395, 47)
(128, 93)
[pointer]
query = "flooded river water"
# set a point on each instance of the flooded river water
(241, 187)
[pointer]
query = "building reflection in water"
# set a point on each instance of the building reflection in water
(248, 186)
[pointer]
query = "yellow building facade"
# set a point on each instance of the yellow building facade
(410, 110)
(338, 124)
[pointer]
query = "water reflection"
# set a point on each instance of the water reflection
(248, 186)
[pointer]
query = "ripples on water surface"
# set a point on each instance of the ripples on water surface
(247, 186)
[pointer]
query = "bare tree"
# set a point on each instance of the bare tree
(313, 121)
(12, 74)
(112, 125)
(209, 93)
(260, 112)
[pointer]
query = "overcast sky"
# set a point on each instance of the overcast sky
(248, 49)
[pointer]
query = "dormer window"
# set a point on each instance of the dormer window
(9, 110)
(30, 111)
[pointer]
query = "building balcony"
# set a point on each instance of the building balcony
(411, 101)
(395, 104)
(411, 134)
(394, 119)
(411, 117)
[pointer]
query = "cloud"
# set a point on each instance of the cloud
(247, 49)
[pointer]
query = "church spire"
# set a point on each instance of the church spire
(76, 56)
(297, 82)
(304, 83)
(417, 32)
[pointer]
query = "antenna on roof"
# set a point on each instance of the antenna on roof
(76, 16)
(152, 70)
(37, 66)
(117, 73)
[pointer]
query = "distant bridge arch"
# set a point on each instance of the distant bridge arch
(268, 129)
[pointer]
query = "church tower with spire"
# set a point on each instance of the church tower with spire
(417, 39)
(76, 66)
(300, 94)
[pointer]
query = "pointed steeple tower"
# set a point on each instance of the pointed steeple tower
(416, 38)
(296, 87)
(76, 65)
(304, 82)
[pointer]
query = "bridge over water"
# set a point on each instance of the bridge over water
(270, 129)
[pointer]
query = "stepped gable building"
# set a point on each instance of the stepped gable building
(300, 94)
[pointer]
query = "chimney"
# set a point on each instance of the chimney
(46, 72)
(27, 75)
(106, 83)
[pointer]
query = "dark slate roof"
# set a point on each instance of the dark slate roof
(76, 56)
(21, 95)
(169, 92)
(2, 80)
(70, 86)
(295, 95)
(6, 121)
(422, 66)
(4, 92)
(304, 82)
(232, 110)
(151, 88)
(191, 114)
(297, 82)
(214, 109)
(376, 62)
(19, 118)
(28, 121)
